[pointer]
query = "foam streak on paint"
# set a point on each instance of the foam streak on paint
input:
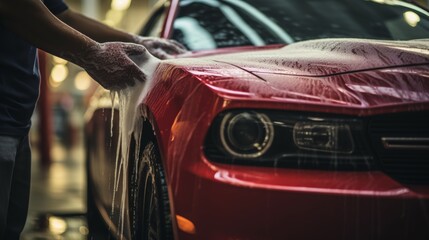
(130, 126)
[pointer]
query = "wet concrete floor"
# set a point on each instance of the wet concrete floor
(57, 200)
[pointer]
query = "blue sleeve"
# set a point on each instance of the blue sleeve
(56, 6)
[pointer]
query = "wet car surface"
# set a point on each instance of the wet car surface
(285, 120)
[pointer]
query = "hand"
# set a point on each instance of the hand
(110, 64)
(161, 48)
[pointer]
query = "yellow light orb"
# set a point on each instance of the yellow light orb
(59, 73)
(120, 5)
(82, 81)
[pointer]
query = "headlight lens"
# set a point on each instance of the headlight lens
(288, 139)
(246, 134)
(327, 137)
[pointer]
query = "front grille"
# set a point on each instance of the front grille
(408, 160)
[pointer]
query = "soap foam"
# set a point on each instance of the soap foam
(130, 126)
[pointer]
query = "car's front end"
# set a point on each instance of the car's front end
(266, 132)
(273, 150)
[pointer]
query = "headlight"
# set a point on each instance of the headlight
(246, 134)
(327, 137)
(288, 139)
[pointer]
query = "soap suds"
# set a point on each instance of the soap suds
(130, 126)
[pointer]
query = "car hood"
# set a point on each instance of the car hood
(331, 56)
(344, 72)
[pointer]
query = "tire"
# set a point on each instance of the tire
(152, 218)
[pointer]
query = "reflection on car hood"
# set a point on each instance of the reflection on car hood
(341, 72)
(331, 56)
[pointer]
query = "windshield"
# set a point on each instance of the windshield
(210, 24)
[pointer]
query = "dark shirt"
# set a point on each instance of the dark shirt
(19, 78)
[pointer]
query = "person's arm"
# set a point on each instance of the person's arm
(34, 22)
(100, 32)
(107, 63)
(94, 29)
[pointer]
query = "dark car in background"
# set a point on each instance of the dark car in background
(289, 119)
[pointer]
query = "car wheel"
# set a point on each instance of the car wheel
(152, 206)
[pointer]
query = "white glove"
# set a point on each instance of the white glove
(110, 64)
(161, 48)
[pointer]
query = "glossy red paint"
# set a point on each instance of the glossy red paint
(336, 83)
(336, 76)
(255, 203)
(325, 57)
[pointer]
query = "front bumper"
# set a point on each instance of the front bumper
(241, 202)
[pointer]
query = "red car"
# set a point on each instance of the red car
(289, 119)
